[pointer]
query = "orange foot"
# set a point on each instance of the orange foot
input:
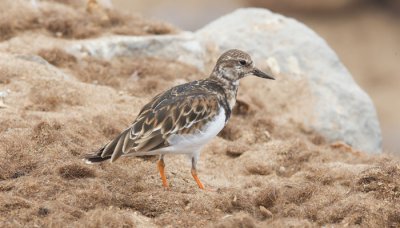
(161, 169)
(196, 178)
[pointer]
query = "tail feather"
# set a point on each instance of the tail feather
(112, 150)
(95, 158)
(118, 149)
(108, 149)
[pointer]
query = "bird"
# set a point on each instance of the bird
(182, 119)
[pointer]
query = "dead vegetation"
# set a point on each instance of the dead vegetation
(69, 20)
(265, 172)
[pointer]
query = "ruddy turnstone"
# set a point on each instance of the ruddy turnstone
(184, 118)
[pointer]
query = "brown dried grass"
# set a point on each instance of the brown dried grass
(71, 21)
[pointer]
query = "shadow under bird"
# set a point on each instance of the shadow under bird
(184, 118)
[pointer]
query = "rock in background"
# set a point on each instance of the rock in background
(341, 110)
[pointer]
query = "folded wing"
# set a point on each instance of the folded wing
(160, 119)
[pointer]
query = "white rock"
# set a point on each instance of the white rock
(342, 110)
(182, 47)
(3, 95)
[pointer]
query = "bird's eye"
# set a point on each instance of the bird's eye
(242, 62)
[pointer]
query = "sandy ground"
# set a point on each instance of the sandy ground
(264, 171)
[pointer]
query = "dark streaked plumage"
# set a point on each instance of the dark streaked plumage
(183, 118)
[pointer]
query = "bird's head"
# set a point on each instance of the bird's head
(235, 64)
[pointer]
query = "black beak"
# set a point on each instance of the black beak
(261, 74)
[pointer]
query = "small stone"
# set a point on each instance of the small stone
(267, 134)
(265, 212)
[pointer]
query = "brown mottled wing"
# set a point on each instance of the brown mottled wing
(169, 113)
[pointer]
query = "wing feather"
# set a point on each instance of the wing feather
(169, 119)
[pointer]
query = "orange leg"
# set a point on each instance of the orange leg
(161, 166)
(196, 178)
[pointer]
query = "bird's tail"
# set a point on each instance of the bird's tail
(96, 157)
(112, 150)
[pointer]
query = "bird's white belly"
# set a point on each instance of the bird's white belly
(190, 143)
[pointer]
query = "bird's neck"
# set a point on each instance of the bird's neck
(230, 86)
